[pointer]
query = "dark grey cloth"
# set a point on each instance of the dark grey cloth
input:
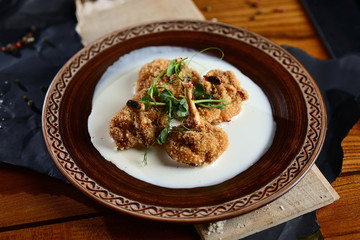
(28, 72)
(337, 23)
(339, 83)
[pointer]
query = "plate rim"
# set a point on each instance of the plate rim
(274, 189)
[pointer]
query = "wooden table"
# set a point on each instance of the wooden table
(35, 206)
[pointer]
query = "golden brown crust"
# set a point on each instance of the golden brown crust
(230, 90)
(130, 127)
(204, 143)
(201, 145)
(150, 71)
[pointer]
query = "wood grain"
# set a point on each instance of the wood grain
(340, 220)
(34, 197)
(113, 226)
(342, 223)
(351, 147)
(311, 193)
(35, 206)
(291, 27)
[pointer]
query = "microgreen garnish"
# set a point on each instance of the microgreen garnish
(146, 153)
(146, 101)
(171, 68)
(175, 67)
(207, 49)
(199, 91)
(163, 136)
(172, 80)
(203, 99)
(182, 109)
(153, 90)
(211, 105)
(177, 108)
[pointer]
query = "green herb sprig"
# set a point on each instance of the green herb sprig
(174, 107)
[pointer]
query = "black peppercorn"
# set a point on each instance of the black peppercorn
(133, 104)
(213, 79)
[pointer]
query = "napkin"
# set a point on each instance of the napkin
(338, 80)
(117, 13)
(25, 75)
(31, 69)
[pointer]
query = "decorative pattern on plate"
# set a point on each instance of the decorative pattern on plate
(63, 159)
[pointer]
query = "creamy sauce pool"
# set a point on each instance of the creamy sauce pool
(250, 133)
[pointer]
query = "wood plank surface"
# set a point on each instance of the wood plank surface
(29, 197)
(351, 149)
(35, 206)
(340, 220)
(282, 21)
(113, 226)
(311, 193)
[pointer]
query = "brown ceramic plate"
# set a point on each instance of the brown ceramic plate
(297, 106)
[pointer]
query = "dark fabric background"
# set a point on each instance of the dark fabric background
(337, 23)
(34, 66)
(32, 69)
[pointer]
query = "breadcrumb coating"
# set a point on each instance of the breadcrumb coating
(228, 89)
(131, 127)
(201, 145)
(150, 71)
(204, 142)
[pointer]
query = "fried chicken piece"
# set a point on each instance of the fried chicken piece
(200, 146)
(150, 71)
(222, 85)
(133, 125)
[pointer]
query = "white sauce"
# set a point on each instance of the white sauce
(250, 133)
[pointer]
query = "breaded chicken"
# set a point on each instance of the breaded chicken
(150, 71)
(222, 85)
(200, 146)
(198, 143)
(134, 126)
